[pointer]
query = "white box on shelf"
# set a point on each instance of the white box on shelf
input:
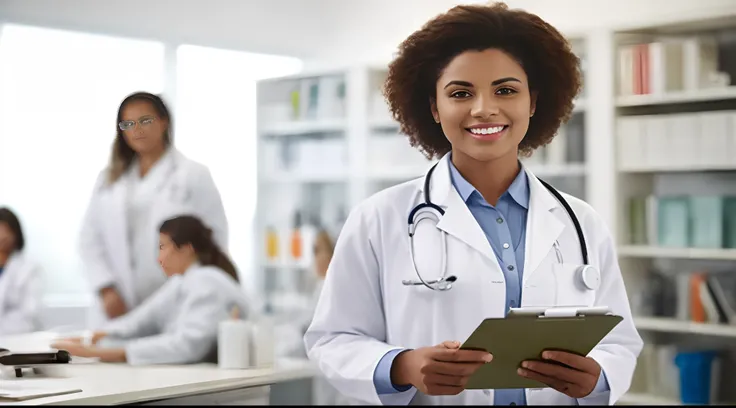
(713, 139)
(276, 113)
(317, 158)
(556, 150)
(656, 135)
(684, 132)
(271, 158)
(630, 132)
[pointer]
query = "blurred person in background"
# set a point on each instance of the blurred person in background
(21, 288)
(145, 183)
(178, 324)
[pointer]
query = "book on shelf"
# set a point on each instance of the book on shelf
(682, 221)
(670, 64)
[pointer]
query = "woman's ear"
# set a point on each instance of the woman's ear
(533, 107)
(433, 108)
(188, 249)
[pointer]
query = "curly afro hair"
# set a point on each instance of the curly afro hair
(544, 54)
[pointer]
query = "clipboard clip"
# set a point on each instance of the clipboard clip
(559, 311)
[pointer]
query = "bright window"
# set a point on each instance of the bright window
(216, 125)
(59, 94)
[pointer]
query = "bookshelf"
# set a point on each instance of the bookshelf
(674, 173)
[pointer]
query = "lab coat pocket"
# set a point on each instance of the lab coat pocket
(570, 287)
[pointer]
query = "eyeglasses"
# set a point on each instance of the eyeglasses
(130, 124)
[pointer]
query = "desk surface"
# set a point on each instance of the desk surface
(107, 384)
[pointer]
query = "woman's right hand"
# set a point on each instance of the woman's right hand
(112, 302)
(443, 369)
(97, 336)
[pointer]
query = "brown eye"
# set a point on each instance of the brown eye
(460, 94)
(506, 91)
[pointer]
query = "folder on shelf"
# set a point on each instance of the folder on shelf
(526, 333)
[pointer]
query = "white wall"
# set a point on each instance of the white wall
(281, 27)
(374, 29)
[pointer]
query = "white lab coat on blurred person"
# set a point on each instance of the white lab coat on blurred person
(178, 324)
(119, 237)
(20, 295)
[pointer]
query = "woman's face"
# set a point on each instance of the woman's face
(174, 260)
(483, 104)
(144, 129)
(7, 239)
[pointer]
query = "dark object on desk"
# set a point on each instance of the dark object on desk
(18, 361)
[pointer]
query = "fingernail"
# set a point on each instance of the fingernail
(525, 364)
(488, 358)
(520, 371)
(547, 355)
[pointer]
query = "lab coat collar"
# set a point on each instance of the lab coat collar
(441, 188)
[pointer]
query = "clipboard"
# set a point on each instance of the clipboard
(526, 333)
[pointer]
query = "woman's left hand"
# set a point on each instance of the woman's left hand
(577, 380)
(75, 348)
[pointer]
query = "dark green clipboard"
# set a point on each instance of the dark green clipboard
(517, 339)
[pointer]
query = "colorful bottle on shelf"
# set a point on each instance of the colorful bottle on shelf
(296, 244)
(272, 244)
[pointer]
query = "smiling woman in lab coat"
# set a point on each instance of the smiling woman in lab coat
(20, 280)
(146, 182)
(177, 324)
(475, 87)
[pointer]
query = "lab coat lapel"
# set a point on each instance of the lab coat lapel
(458, 221)
(543, 226)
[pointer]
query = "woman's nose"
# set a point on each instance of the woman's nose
(485, 107)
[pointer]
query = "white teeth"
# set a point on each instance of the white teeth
(486, 131)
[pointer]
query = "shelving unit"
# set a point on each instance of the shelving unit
(674, 138)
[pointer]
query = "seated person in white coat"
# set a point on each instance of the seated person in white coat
(476, 87)
(146, 182)
(20, 280)
(178, 323)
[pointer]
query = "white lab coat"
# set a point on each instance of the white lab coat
(178, 324)
(365, 311)
(178, 186)
(21, 291)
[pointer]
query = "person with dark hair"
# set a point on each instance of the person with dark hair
(146, 181)
(178, 323)
(20, 280)
(420, 265)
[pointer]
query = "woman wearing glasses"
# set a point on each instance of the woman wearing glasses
(146, 181)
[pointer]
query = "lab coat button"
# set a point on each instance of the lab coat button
(486, 392)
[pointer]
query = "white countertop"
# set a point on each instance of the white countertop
(121, 383)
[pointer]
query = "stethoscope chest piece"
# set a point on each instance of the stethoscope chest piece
(590, 276)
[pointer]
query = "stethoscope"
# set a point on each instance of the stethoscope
(588, 275)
